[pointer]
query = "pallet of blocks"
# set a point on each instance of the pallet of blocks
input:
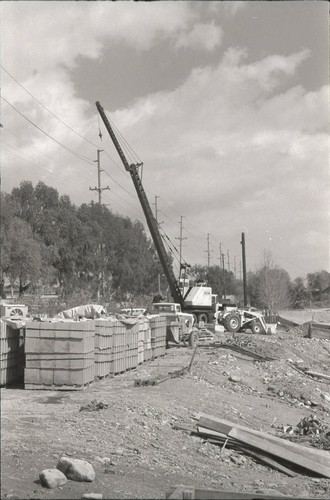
(132, 332)
(123, 345)
(144, 340)
(59, 355)
(11, 352)
(104, 329)
(158, 335)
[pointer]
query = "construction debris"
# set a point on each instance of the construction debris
(235, 346)
(310, 429)
(273, 451)
(159, 378)
(94, 406)
(191, 493)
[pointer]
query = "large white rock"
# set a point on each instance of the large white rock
(52, 478)
(75, 469)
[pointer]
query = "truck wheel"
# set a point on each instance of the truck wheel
(193, 339)
(203, 317)
(257, 327)
(232, 322)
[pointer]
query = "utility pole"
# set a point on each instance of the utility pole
(180, 238)
(235, 266)
(99, 189)
(99, 170)
(156, 211)
(208, 249)
(244, 269)
(220, 265)
(228, 260)
(240, 270)
(224, 276)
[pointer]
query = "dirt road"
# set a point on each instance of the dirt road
(132, 444)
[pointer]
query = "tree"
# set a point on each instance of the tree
(272, 286)
(299, 294)
(21, 254)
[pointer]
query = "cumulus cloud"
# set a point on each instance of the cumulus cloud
(233, 142)
(201, 36)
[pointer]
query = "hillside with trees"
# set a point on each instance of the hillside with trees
(87, 253)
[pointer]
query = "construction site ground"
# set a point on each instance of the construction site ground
(133, 444)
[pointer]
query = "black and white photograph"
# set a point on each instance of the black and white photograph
(165, 250)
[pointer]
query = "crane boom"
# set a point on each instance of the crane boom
(151, 221)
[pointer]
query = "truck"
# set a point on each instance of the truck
(179, 325)
(197, 300)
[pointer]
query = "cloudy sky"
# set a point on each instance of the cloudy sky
(226, 104)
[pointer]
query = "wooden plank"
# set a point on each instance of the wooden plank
(217, 438)
(321, 375)
(209, 432)
(293, 455)
(225, 426)
(191, 493)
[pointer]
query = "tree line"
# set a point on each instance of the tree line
(270, 287)
(47, 241)
(90, 252)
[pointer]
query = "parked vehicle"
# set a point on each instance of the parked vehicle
(236, 319)
(179, 325)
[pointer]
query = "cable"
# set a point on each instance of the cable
(49, 111)
(75, 153)
(36, 149)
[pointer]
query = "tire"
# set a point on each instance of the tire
(257, 327)
(193, 339)
(232, 322)
(203, 317)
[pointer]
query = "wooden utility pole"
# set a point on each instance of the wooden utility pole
(224, 276)
(208, 249)
(156, 211)
(244, 269)
(99, 189)
(180, 238)
(228, 260)
(235, 266)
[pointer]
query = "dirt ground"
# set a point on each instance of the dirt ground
(132, 444)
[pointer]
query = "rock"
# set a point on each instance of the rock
(96, 496)
(52, 478)
(325, 396)
(235, 378)
(75, 469)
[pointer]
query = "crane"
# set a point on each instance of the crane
(151, 220)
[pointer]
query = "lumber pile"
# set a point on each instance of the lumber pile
(278, 453)
(191, 493)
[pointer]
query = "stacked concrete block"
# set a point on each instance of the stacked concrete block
(132, 332)
(158, 335)
(59, 355)
(104, 331)
(11, 354)
(119, 347)
(146, 338)
(143, 324)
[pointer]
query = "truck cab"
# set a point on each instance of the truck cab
(179, 325)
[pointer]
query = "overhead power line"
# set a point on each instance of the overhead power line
(75, 153)
(47, 109)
